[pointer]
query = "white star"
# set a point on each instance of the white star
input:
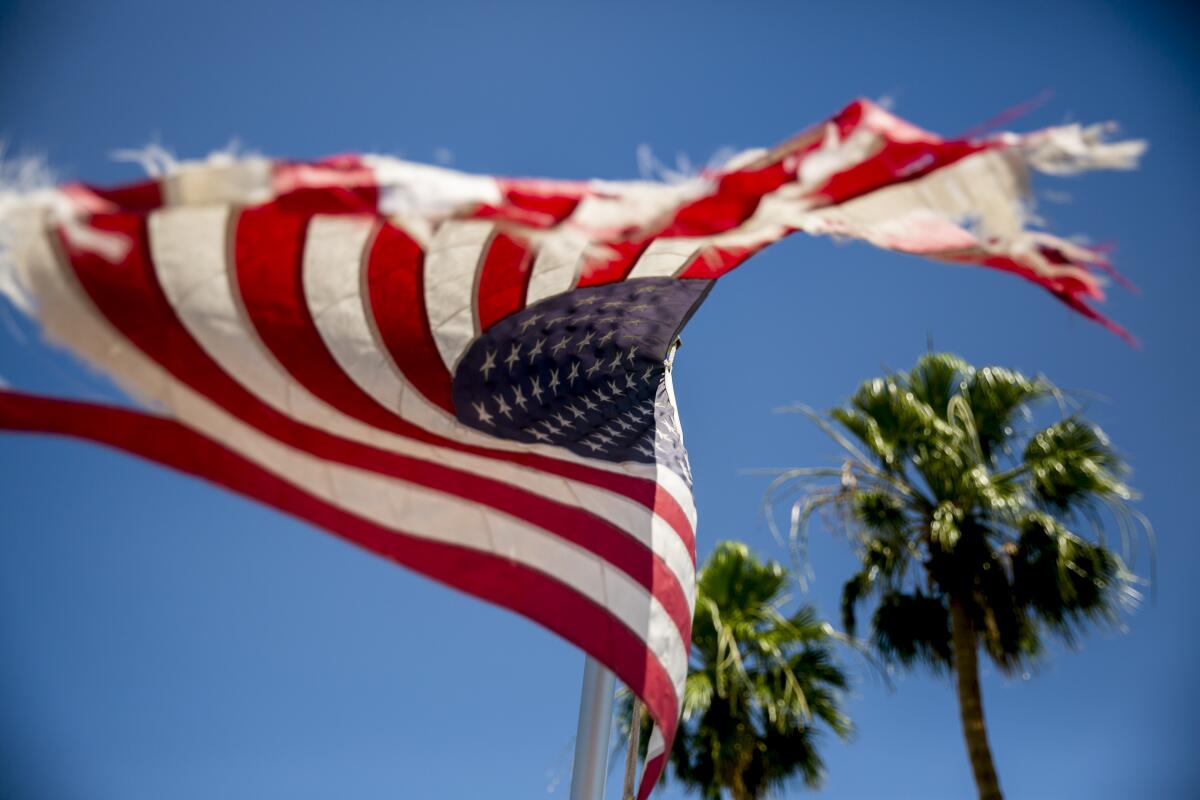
(553, 385)
(629, 381)
(601, 396)
(625, 426)
(646, 375)
(587, 301)
(529, 321)
(616, 362)
(593, 368)
(563, 421)
(513, 356)
(573, 375)
(484, 416)
(612, 387)
(591, 406)
(632, 350)
(551, 428)
(639, 307)
(539, 435)
(536, 391)
(644, 289)
(595, 447)
(502, 406)
(550, 323)
(536, 350)
(603, 437)
(578, 414)
(562, 343)
(613, 304)
(606, 337)
(489, 363)
(644, 450)
(585, 341)
(519, 397)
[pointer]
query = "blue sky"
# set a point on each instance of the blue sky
(161, 639)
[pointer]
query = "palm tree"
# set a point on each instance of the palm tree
(760, 683)
(973, 533)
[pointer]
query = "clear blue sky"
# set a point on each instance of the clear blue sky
(160, 639)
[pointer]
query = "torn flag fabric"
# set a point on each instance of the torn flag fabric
(471, 375)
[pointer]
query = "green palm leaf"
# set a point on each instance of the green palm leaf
(966, 526)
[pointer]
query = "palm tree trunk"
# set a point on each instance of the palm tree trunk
(737, 780)
(970, 702)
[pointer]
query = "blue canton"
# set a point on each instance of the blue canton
(585, 371)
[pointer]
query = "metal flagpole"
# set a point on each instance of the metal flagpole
(591, 737)
(631, 754)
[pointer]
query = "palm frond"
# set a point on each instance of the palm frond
(945, 491)
(936, 378)
(758, 676)
(1071, 462)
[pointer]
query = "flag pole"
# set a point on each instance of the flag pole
(591, 736)
(631, 754)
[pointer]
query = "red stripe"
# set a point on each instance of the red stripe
(614, 264)
(129, 295)
(895, 163)
(396, 289)
(534, 202)
(653, 769)
(143, 196)
(1065, 288)
(522, 589)
(504, 278)
(330, 186)
(713, 262)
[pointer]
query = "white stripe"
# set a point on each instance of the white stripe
(70, 318)
(615, 206)
(428, 192)
(656, 745)
(244, 181)
(556, 268)
(188, 246)
(666, 476)
(451, 271)
(665, 257)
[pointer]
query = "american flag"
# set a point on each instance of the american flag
(471, 375)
